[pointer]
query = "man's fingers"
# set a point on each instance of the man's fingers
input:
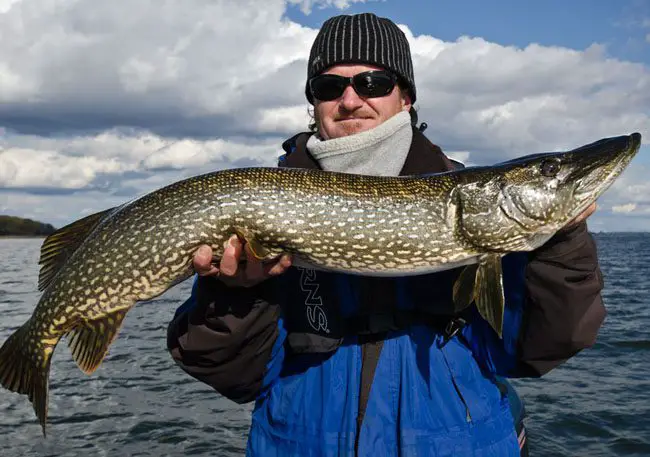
(231, 254)
(202, 261)
(254, 268)
(584, 215)
(590, 210)
(280, 266)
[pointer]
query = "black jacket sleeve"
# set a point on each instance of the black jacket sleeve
(564, 308)
(226, 339)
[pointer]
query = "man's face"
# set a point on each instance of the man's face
(351, 113)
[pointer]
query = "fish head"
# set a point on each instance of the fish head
(527, 200)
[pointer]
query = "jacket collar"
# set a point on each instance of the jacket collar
(423, 156)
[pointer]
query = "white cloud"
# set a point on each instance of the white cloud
(195, 154)
(59, 209)
(624, 209)
(5, 5)
(516, 101)
(139, 94)
(306, 6)
(145, 59)
(78, 163)
(29, 168)
(53, 180)
(633, 185)
(223, 67)
(285, 119)
(461, 156)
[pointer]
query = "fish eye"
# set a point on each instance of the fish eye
(550, 167)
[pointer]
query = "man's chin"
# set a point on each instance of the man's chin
(352, 126)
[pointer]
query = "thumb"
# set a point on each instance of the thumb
(203, 259)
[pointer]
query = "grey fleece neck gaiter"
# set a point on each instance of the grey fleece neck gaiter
(380, 151)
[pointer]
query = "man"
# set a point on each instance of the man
(342, 365)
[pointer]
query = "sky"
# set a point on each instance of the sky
(102, 102)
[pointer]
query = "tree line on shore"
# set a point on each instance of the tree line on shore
(17, 226)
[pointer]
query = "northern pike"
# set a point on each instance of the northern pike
(96, 269)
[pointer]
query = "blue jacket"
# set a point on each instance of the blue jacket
(285, 344)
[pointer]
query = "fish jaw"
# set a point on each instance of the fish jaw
(520, 204)
(592, 185)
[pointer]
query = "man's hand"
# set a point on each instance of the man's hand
(581, 217)
(231, 272)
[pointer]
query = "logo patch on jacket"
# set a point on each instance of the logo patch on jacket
(313, 302)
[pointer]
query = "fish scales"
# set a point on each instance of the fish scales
(361, 225)
(97, 268)
(341, 223)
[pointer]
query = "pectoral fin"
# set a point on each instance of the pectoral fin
(258, 251)
(482, 283)
(464, 287)
(490, 300)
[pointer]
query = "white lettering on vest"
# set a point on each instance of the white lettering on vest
(313, 302)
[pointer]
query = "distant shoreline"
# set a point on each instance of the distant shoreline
(13, 226)
(21, 236)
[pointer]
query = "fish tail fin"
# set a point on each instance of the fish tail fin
(26, 372)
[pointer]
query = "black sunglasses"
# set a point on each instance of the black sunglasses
(370, 84)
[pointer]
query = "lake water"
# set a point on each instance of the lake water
(139, 403)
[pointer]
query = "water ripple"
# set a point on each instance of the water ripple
(139, 403)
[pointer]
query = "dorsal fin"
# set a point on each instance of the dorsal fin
(60, 245)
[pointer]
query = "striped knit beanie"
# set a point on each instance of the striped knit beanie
(364, 39)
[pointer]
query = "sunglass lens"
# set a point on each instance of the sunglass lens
(367, 84)
(373, 84)
(328, 87)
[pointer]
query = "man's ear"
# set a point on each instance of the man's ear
(406, 101)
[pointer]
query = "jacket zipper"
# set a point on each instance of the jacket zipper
(468, 416)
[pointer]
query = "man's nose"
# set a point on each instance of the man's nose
(350, 100)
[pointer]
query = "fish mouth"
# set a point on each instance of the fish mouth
(595, 168)
(594, 183)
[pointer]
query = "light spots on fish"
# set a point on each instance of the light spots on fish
(367, 225)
